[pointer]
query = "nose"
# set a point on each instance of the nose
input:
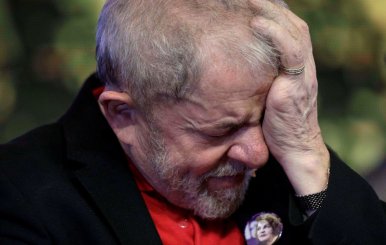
(248, 146)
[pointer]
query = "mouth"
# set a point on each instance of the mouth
(224, 182)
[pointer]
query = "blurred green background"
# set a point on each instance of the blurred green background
(47, 50)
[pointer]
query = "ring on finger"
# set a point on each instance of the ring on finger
(292, 71)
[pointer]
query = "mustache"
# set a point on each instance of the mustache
(229, 168)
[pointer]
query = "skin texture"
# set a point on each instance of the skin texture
(221, 125)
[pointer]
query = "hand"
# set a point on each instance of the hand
(290, 125)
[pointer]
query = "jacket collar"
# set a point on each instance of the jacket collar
(102, 170)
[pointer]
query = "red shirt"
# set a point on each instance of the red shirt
(178, 226)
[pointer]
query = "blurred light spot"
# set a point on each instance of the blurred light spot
(368, 145)
(375, 10)
(47, 64)
(7, 97)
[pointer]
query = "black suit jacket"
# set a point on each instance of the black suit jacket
(69, 183)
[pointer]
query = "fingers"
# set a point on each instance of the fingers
(277, 11)
(287, 32)
(291, 53)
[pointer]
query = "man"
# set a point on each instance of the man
(203, 114)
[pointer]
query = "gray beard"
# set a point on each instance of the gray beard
(196, 197)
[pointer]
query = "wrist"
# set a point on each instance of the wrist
(308, 173)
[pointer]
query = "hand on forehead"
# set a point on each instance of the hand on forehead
(288, 32)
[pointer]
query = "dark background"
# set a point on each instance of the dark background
(47, 50)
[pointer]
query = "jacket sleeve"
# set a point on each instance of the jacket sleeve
(351, 213)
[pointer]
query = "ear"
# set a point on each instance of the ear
(121, 113)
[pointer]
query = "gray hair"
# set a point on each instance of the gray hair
(156, 49)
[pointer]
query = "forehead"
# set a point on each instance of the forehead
(222, 76)
(227, 95)
(262, 222)
(224, 71)
(231, 88)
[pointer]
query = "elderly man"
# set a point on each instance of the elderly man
(203, 114)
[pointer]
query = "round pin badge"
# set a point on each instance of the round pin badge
(263, 229)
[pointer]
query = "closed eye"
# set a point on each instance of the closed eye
(222, 133)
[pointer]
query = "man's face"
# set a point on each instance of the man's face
(200, 153)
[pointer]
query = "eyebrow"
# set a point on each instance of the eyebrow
(220, 124)
(226, 124)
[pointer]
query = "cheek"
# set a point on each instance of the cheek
(196, 158)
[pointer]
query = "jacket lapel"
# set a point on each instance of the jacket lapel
(102, 170)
